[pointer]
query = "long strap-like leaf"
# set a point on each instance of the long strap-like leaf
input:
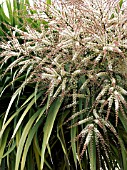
(49, 127)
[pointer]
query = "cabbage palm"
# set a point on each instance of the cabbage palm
(68, 106)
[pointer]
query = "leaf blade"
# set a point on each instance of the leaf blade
(48, 127)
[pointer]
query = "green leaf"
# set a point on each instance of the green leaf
(12, 99)
(9, 121)
(73, 144)
(123, 120)
(23, 138)
(10, 11)
(24, 114)
(49, 126)
(9, 150)
(3, 144)
(120, 3)
(48, 2)
(36, 150)
(49, 151)
(28, 142)
(60, 135)
(124, 154)
(3, 16)
(92, 154)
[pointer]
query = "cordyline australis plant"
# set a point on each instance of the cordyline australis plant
(76, 61)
